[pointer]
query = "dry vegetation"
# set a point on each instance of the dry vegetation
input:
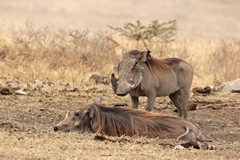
(34, 52)
(55, 55)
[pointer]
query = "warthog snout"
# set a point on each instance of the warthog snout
(121, 87)
(121, 94)
(55, 128)
(66, 124)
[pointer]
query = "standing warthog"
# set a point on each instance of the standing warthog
(142, 75)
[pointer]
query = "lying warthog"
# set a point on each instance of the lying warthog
(142, 75)
(117, 121)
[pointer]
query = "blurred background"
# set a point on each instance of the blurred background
(211, 19)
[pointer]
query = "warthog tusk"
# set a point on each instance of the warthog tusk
(135, 85)
(67, 114)
(54, 123)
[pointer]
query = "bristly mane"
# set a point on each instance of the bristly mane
(154, 64)
(116, 121)
(158, 65)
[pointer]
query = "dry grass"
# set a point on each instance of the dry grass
(26, 131)
(81, 146)
(34, 52)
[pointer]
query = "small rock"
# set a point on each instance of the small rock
(41, 109)
(38, 84)
(99, 79)
(231, 86)
(202, 91)
(20, 92)
(178, 147)
(205, 146)
(63, 87)
(192, 106)
(5, 91)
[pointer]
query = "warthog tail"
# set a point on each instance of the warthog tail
(184, 134)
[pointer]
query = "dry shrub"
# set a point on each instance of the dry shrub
(59, 55)
(162, 32)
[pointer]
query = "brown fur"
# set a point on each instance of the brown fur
(153, 63)
(158, 65)
(123, 121)
(117, 121)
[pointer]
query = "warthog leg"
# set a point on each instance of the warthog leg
(150, 102)
(180, 99)
(135, 101)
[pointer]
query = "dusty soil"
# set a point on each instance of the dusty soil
(26, 128)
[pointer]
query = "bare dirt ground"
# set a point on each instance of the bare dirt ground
(26, 128)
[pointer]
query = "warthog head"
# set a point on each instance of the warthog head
(86, 121)
(82, 120)
(67, 124)
(129, 71)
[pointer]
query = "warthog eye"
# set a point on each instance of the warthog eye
(135, 65)
(76, 114)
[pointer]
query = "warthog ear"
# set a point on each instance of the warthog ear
(145, 55)
(89, 112)
(124, 51)
(98, 100)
